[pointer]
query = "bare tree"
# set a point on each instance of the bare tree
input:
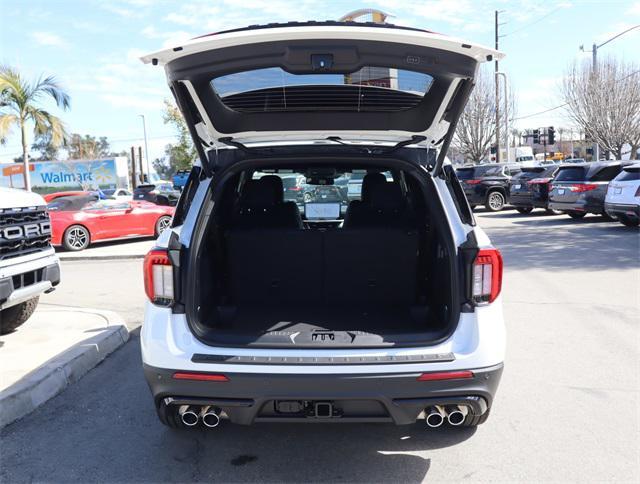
(476, 129)
(605, 103)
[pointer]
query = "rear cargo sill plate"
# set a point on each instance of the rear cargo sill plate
(320, 360)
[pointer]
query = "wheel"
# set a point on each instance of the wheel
(576, 215)
(628, 221)
(14, 316)
(495, 201)
(76, 238)
(551, 211)
(525, 210)
(162, 224)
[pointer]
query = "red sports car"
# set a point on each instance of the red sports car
(77, 221)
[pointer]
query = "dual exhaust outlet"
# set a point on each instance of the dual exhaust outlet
(190, 415)
(455, 415)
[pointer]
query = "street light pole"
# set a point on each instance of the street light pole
(146, 146)
(507, 126)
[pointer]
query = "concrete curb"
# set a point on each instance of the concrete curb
(63, 256)
(55, 375)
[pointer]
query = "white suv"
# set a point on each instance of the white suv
(623, 196)
(261, 309)
(28, 263)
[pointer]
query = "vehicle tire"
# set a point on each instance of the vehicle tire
(76, 238)
(162, 224)
(628, 221)
(473, 420)
(495, 201)
(576, 215)
(524, 210)
(14, 316)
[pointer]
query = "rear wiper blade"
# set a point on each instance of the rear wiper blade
(383, 149)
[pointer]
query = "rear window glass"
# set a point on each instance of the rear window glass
(479, 172)
(530, 173)
(606, 174)
(367, 89)
(629, 174)
(571, 173)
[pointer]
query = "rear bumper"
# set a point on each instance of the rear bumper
(616, 209)
(399, 398)
(527, 201)
(578, 206)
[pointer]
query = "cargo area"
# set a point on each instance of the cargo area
(337, 257)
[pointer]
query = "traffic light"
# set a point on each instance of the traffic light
(536, 136)
(551, 135)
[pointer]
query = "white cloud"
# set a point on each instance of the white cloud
(48, 39)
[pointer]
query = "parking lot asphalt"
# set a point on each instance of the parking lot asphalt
(567, 408)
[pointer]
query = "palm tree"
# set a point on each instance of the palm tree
(19, 105)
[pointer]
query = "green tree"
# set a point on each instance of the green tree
(20, 107)
(178, 156)
(89, 147)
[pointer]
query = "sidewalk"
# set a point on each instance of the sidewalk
(53, 349)
(121, 249)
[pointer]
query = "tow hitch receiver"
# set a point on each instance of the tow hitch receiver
(323, 409)
(306, 408)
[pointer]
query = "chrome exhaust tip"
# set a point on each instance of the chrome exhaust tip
(188, 415)
(210, 416)
(457, 415)
(434, 416)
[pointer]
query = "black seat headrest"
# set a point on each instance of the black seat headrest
(263, 192)
(370, 180)
(385, 196)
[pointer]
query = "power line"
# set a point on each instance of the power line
(534, 22)
(565, 104)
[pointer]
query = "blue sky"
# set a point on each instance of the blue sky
(93, 47)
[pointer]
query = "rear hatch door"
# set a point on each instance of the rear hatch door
(567, 184)
(311, 81)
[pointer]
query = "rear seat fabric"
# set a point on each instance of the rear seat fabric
(374, 266)
(382, 205)
(262, 205)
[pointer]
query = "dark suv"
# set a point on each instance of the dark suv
(160, 194)
(530, 188)
(578, 189)
(488, 184)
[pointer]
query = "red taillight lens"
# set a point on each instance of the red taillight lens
(445, 375)
(487, 275)
(182, 375)
(539, 181)
(586, 187)
(472, 182)
(295, 189)
(158, 277)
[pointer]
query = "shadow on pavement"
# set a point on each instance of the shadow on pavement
(563, 243)
(104, 428)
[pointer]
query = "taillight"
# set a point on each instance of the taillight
(583, 187)
(158, 277)
(472, 182)
(487, 275)
(295, 189)
(539, 181)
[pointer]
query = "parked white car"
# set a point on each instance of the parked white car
(623, 196)
(28, 263)
(259, 310)
(119, 194)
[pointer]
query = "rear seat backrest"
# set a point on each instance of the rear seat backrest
(261, 205)
(373, 266)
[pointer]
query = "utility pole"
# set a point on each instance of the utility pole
(134, 177)
(507, 126)
(497, 93)
(141, 168)
(146, 146)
